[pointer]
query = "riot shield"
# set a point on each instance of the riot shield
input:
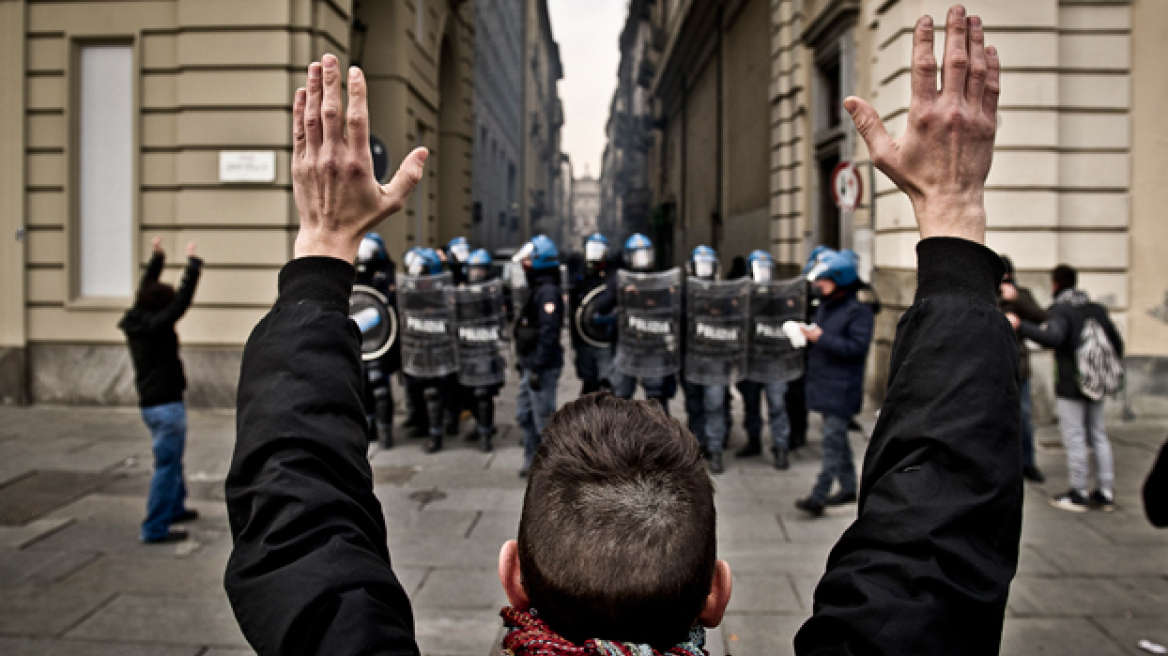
(428, 346)
(649, 323)
(594, 333)
(480, 326)
(770, 356)
(717, 318)
(376, 318)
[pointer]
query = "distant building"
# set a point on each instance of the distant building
(543, 118)
(115, 118)
(498, 108)
(746, 99)
(585, 209)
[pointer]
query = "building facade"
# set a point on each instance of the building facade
(542, 120)
(122, 121)
(498, 94)
(586, 210)
(748, 126)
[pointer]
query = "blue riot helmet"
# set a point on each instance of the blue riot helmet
(639, 253)
(422, 262)
(596, 248)
(458, 250)
(703, 262)
(836, 267)
(761, 266)
(478, 266)
(539, 253)
(372, 249)
(814, 258)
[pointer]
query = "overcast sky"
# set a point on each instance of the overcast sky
(588, 32)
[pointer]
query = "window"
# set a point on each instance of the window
(105, 171)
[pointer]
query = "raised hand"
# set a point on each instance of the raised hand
(156, 246)
(944, 157)
(332, 168)
(191, 250)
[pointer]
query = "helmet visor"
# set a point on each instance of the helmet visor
(595, 251)
(478, 273)
(762, 271)
(415, 265)
(818, 271)
(524, 253)
(641, 259)
(460, 252)
(705, 268)
(367, 250)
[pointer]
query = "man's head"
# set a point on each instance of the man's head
(1063, 277)
(617, 537)
(154, 296)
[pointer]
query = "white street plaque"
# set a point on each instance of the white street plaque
(247, 166)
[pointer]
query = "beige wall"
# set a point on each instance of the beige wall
(788, 91)
(12, 199)
(1148, 324)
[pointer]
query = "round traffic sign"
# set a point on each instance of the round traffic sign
(846, 186)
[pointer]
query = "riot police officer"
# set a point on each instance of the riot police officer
(592, 333)
(638, 258)
(537, 342)
(770, 379)
(715, 349)
(457, 254)
(479, 319)
(375, 269)
(428, 350)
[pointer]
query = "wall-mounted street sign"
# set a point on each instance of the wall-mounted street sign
(846, 186)
(380, 158)
(247, 166)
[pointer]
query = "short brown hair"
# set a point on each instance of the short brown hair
(617, 537)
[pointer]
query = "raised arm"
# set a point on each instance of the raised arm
(157, 260)
(927, 565)
(185, 294)
(310, 570)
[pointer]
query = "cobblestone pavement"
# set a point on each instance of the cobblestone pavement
(75, 581)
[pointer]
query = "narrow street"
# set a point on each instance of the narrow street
(75, 581)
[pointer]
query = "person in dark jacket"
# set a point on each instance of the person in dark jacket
(537, 341)
(160, 381)
(377, 270)
(1080, 418)
(924, 570)
(837, 351)
(1020, 302)
(593, 359)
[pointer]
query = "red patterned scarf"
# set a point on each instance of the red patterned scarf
(527, 635)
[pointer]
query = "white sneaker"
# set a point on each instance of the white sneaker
(1071, 500)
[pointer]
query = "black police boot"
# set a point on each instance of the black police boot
(385, 434)
(811, 506)
(715, 462)
(753, 447)
(435, 443)
(453, 420)
(782, 462)
(485, 441)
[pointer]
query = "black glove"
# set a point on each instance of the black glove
(534, 382)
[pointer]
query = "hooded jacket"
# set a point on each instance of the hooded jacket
(158, 371)
(835, 364)
(1061, 332)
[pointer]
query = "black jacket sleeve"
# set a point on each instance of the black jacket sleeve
(926, 567)
(182, 298)
(153, 269)
(1027, 308)
(1051, 334)
(310, 570)
(1156, 491)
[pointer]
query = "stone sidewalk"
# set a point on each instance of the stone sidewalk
(75, 581)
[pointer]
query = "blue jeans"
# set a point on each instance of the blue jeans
(626, 386)
(837, 459)
(780, 424)
(168, 431)
(534, 408)
(1027, 425)
(593, 364)
(705, 409)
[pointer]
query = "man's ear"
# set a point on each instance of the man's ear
(719, 597)
(512, 579)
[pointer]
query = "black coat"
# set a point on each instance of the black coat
(158, 371)
(835, 364)
(1027, 310)
(1064, 324)
(540, 322)
(1156, 491)
(924, 570)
